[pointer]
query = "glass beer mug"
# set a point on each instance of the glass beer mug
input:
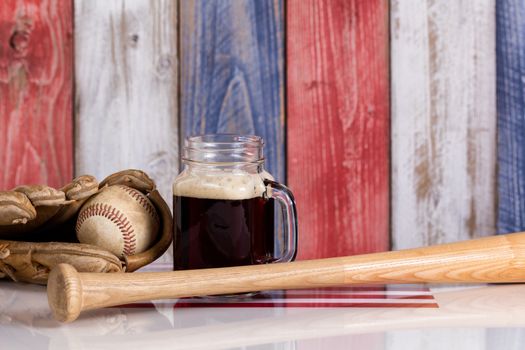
(226, 206)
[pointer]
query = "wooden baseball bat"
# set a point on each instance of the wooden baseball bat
(496, 259)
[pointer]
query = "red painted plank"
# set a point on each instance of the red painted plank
(338, 124)
(36, 51)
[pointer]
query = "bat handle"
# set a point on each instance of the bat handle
(496, 259)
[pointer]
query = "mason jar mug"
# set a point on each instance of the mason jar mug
(228, 210)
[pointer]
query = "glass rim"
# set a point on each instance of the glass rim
(223, 148)
(222, 139)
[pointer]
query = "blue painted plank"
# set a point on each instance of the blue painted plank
(232, 54)
(510, 50)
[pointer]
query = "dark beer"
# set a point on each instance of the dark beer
(222, 232)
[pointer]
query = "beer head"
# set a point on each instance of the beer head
(232, 184)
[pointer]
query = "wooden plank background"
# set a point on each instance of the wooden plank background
(126, 88)
(338, 124)
(232, 55)
(36, 57)
(443, 121)
(511, 114)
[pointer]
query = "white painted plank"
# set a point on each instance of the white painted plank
(443, 121)
(126, 88)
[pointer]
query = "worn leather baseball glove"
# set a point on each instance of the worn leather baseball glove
(37, 229)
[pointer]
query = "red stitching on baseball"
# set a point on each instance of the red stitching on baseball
(141, 198)
(116, 217)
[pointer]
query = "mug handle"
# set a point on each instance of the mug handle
(285, 197)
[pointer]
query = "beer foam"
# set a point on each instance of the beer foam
(231, 185)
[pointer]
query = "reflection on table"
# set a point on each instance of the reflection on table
(479, 317)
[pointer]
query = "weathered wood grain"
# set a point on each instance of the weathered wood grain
(36, 56)
(338, 125)
(510, 49)
(443, 121)
(126, 88)
(232, 55)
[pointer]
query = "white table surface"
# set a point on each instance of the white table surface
(474, 317)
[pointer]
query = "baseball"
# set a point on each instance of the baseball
(119, 219)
